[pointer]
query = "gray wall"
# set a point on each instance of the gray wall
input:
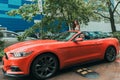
(98, 26)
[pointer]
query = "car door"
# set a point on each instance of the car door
(79, 51)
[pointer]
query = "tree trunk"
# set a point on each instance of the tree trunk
(112, 21)
(112, 24)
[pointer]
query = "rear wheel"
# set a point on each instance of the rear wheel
(110, 54)
(44, 66)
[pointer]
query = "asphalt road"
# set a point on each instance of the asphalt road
(103, 71)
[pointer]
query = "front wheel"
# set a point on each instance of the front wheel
(110, 54)
(44, 66)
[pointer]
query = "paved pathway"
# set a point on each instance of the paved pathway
(106, 71)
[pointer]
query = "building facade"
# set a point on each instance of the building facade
(14, 23)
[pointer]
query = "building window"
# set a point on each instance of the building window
(15, 2)
(4, 1)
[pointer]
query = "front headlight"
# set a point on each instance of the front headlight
(22, 54)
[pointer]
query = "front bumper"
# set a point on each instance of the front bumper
(16, 67)
(13, 75)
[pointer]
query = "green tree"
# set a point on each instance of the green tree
(105, 9)
(56, 10)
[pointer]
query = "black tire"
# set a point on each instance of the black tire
(44, 66)
(110, 54)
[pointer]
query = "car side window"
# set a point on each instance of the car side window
(11, 35)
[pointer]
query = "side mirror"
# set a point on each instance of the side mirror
(78, 39)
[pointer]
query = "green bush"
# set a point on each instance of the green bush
(1, 52)
(1, 48)
(116, 35)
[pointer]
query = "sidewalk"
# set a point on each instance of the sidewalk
(0, 66)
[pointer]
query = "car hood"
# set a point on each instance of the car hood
(28, 44)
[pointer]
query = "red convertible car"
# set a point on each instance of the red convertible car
(43, 58)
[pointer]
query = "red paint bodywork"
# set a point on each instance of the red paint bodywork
(68, 52)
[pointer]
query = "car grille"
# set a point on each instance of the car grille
(6, 56)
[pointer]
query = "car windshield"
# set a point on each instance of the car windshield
(65, 36)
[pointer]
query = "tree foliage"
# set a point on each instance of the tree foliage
(56, 9)
(27, 11)
(60, 10)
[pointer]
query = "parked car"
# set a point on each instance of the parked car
(90, 35)
(43, 58)
(10, 37)
(103, 34)
(32, 36)
(107, 34)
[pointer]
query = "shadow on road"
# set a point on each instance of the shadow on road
(78, 66)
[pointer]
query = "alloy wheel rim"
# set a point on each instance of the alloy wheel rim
(45, 67)
(111, 54)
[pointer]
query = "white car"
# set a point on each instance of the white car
(10, 37)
